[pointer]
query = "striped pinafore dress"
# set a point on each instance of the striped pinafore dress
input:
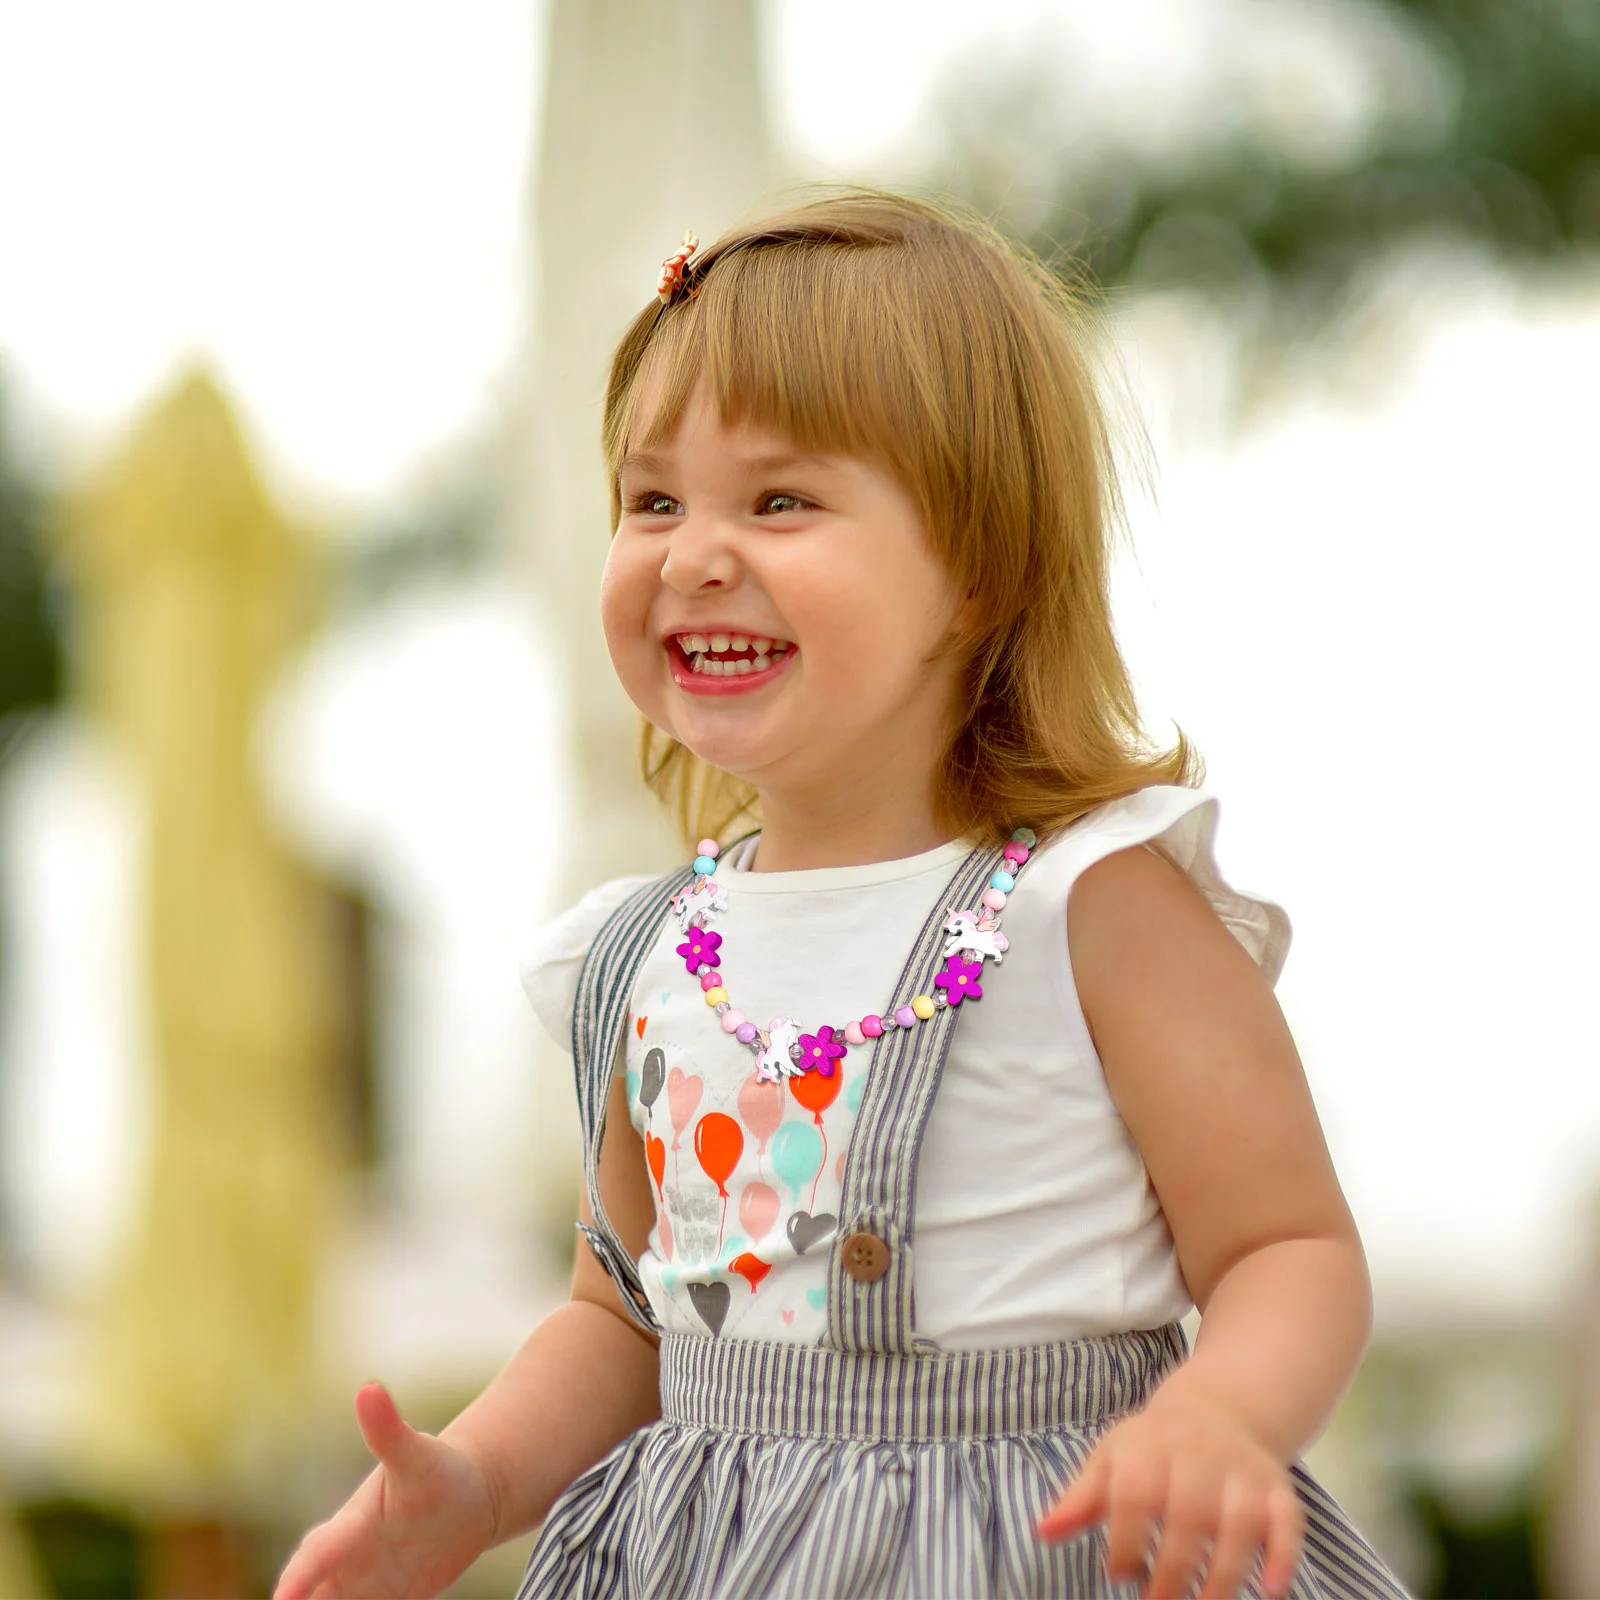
(873, 1464)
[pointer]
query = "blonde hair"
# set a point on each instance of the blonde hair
(887, 328)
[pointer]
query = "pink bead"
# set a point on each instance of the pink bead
(710, 847)
(853, 1033)
(1016, 852)
(995, 899)
(872, 1026)
(905, 1016)
(710, 980)
(731, 1021)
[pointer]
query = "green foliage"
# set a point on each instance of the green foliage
(84, 1551)
(30, 648)
(1508, 157)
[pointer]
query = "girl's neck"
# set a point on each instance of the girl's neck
(847, 826)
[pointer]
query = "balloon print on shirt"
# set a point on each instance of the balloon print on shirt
(761, 1105)
(816, 1093)
(652, 1077)
(718, 1144)
(797, 1155)
(758, 1209)
(750, 1267)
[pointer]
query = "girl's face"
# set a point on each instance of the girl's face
(777, 612)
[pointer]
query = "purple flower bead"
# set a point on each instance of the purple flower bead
(820, 1050)
(700, 949)
(960, 980)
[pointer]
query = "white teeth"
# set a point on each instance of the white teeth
(740, 641)
(779, 646)
(740, 667)
(763, 662)
(761, 646)
(719, 642)
(697, 663)
(701, 643)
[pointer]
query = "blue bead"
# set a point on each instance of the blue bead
(1003, 881)
(705, 866)
(1026, 836)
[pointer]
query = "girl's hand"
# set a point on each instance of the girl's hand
(420, 1519)
(1188, 1466)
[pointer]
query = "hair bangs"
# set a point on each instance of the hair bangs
(803, 339)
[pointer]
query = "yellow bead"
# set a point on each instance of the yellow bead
(716, 996)
(923, 1006)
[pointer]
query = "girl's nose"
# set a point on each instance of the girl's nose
(700, 556)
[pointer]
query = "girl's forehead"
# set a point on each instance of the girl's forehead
(700, 427)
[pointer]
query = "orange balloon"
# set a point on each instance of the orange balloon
(817, 1093)
(718, 1144)
(752, 1268)
(655, 1152)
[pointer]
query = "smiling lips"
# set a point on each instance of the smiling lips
(726, 663)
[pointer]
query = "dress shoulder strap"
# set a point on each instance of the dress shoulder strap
(870, 1298)
(599, 1015)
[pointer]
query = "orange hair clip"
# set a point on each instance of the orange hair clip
(671, 279)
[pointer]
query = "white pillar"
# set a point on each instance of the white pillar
(653, 123)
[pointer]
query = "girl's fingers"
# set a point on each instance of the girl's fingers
(1286, 1524)
(389, 1437)
(1082, 1504)
(1240, 1532)
(1189, 1521)
(1135, 1497)
(308, 1571)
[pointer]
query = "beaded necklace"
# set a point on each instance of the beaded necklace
(781, 1049)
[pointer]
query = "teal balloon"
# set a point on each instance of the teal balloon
(735, 1246)
(670, 1273)
(631, 1081)
(852, 1095)
(797, 1154)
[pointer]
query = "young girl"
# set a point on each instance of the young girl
(914, 1120)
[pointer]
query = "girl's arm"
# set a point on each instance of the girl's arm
(584, 1380)
(587, 1375)
(1201, 1066)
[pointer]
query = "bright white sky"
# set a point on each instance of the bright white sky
(328, 199)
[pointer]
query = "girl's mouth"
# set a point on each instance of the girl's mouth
(721, 663)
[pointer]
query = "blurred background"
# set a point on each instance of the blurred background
(305, 722)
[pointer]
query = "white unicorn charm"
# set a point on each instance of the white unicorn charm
(779, 1044)
(977, 933)
(702, 896)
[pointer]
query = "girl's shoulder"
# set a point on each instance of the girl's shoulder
(553, 957)
(1180, 824)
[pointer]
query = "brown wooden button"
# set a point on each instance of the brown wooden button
(866, 1257)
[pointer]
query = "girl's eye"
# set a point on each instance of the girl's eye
(777, 504)
(656, 505)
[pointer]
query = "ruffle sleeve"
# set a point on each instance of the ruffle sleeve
(550, 965)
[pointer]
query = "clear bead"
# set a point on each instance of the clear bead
(721, 1006)
(941, 998)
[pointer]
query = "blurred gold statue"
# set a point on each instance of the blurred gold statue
(189, 587)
